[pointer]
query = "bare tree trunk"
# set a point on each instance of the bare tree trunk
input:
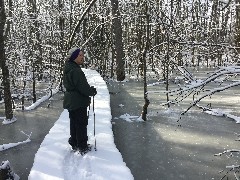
(238, 25)
(62, 44)
(167, 65)
(146, 100)
(117, 29)
(36, 63)
(5, 71)
(113, 51)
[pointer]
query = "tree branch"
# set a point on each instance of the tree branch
(80, 22)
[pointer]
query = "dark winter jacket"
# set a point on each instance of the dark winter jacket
(77, 88)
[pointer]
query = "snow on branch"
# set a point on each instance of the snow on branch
(10, 145)
(209, 94)
(231, 151)
(44, 98)
(197, 86)
(201, 83)
(219, 112)
(94, 31)
(79, 22)
(235, 169)
(204, 44)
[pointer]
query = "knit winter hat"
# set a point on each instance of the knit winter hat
(73, 53)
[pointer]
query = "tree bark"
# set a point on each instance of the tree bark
(5, 71)
(146, 100)
(32, 11)
(117, 30)
(238, 25)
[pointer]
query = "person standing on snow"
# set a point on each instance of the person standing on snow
(77, 99)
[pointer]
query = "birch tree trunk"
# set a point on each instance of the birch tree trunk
(5, 71)
(117, 30)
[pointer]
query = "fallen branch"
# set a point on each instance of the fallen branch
(10, 145)
(216, 112)
(228, 151)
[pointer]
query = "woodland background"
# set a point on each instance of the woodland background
(118, 37)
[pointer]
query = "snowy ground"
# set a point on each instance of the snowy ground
(55, 160)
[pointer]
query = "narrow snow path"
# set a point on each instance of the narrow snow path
(55, 160)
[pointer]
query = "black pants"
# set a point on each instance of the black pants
(78, 127)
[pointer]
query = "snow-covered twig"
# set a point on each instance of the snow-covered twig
(219, 112)
(44, 98)
(234, 168)
(10, 145)
(199, 83)
(196, 87)
(211, 93)
(28, 135)
(228, 151)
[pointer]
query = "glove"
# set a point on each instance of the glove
(94, 90)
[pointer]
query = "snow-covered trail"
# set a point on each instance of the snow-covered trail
(55, 160)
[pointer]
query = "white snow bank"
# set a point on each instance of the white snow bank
(55, 160)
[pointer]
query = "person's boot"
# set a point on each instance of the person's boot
(85, 150)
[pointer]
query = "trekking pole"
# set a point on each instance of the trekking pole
(88, 110)
(94, 126)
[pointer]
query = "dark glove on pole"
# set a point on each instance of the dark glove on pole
(94, 90)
